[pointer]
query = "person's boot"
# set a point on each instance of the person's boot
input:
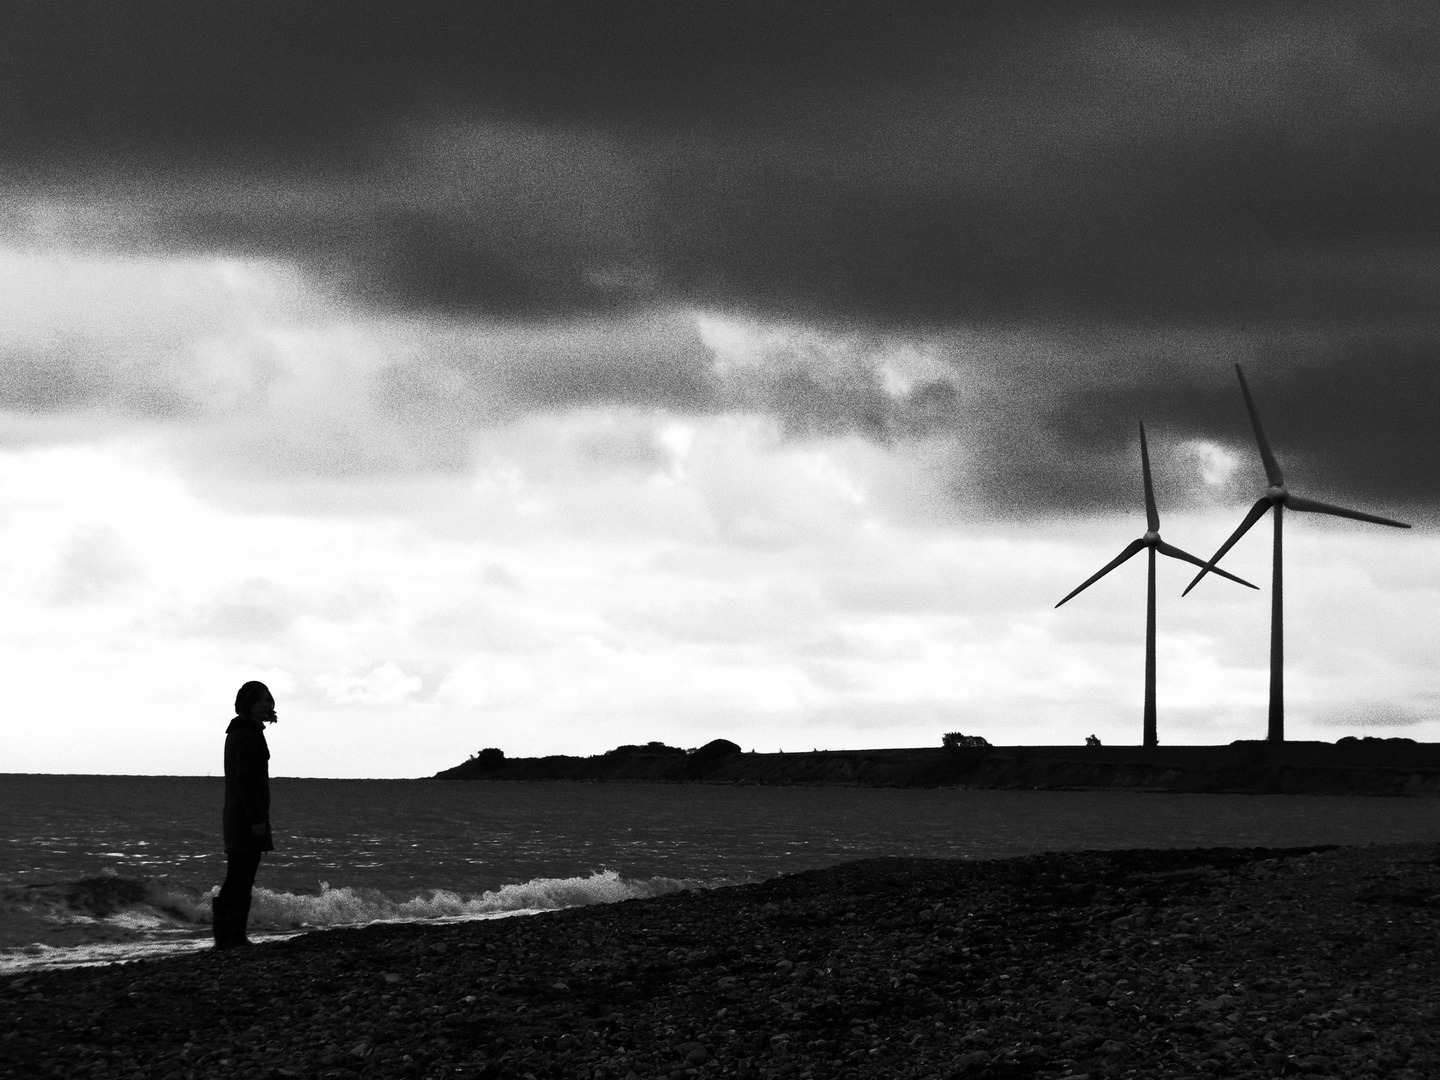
(220, 923)
(238, 917)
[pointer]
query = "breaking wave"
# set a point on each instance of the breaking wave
(348, 906)
(110, 918)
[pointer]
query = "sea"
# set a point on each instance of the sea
(100, 869)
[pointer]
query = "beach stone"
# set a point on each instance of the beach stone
(1011, 969)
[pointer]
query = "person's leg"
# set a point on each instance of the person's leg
(240, 908)
(220, 904)
(233, 903)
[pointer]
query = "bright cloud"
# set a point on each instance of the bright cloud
(386, 685)
(1217, 463)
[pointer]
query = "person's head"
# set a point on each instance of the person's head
(255, 701)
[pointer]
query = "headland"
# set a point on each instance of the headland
(1368, 766)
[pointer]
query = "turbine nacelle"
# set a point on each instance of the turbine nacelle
(1277, 493)
(1151, 537)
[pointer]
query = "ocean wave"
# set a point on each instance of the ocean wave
(101, 920)
(348, 906)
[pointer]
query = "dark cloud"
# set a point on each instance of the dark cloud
(1039, 423)
(1351, 418)
(268, 79)
(656, 362)
(73, 376)
(1264, 171)
(928, 164)
(825, 397)
(49, 381)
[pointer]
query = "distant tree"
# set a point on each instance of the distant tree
(953, 740)
(1092, 740)
(492, 757)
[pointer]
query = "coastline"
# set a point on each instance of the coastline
(1370, 766)
(1245, 962)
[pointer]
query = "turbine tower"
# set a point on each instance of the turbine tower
(1277, 495)
(1152, 541)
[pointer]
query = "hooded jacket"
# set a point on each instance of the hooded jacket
(247, 786)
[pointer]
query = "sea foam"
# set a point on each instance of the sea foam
(136, 919)
(348, 906)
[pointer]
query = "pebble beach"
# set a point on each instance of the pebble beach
(1154, 963)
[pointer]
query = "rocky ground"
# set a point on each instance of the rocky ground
(1244, 963)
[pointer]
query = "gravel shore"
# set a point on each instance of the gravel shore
(1219, 962)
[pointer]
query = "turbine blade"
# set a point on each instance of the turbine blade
(1272, 467)
(1256, 513)
(1311, 506)
(1185, 556)
(1135, 545)
(1152, 516)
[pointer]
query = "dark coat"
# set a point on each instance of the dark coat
(247, 786)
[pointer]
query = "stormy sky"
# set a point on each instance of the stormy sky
(552, 376)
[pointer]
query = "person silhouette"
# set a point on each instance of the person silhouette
(246, 817)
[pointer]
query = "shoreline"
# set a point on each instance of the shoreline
(1248, 962)
(1395, 767)
(105, 954)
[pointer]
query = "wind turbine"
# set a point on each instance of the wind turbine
(1277, 495)
(1152, 541)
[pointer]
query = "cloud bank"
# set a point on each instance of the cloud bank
(928, 165)
(1085, 212)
